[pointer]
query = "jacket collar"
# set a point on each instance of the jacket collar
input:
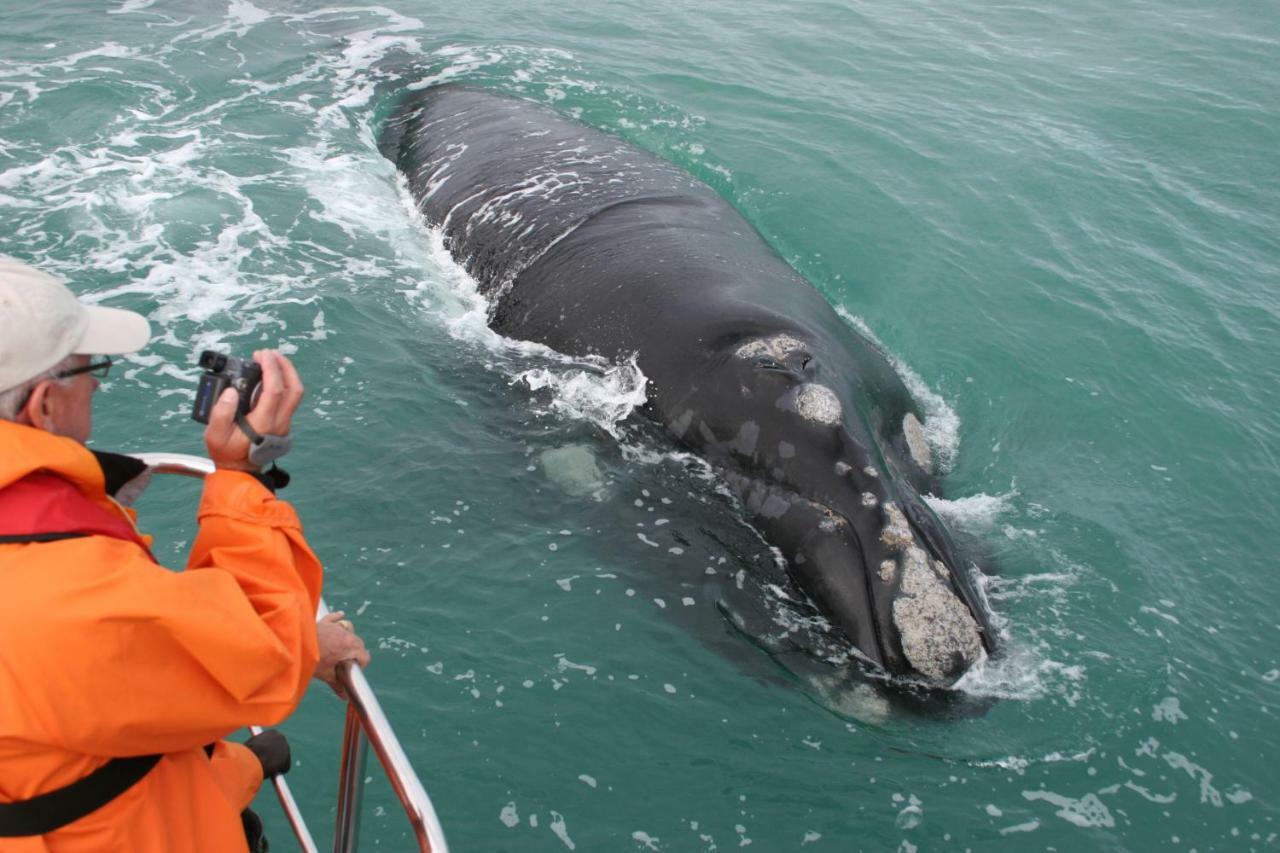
(26, 450)
(29, 455)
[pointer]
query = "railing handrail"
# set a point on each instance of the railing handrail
(363, 704)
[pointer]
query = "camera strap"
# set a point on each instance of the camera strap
(266, 448)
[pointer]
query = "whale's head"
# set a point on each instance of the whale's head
(829, 460)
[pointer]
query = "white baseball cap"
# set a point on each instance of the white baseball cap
(42, 322)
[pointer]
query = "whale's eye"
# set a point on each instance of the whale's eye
(768, 364)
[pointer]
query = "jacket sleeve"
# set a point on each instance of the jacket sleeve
(245, 532)
(237, 771)
(147, 660)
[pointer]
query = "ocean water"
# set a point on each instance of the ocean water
(1061, 219)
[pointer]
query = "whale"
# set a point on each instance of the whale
(584, 242)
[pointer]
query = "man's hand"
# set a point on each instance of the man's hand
(272, 415)
(338, 642)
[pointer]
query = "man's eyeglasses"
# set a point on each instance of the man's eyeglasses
(99, 369)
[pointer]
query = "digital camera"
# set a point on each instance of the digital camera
(222, 372)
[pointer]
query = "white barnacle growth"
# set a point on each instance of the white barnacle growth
(938, 631)
(813, 402)
(935, 626)
(868, 499)
(896, 535)
(777, 347)
(916, 443)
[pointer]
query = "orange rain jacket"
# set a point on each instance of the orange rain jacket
(104, 654)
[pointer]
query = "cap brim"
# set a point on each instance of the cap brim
(111, 331)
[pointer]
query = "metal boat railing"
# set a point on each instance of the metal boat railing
(365, 724)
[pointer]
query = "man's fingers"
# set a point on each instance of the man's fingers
(264, 414)
(281, 393)
(222, 419)
(293, 389)
(359, 652)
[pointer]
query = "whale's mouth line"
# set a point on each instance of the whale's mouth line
(837, 521)
(882, 652)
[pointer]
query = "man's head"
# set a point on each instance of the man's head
(50, 343)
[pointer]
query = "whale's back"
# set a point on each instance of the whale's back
(532, 203)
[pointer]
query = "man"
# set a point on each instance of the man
(118, 677)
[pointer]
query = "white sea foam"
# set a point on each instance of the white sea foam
(341, 184)
(1086, 811)
(129, 6)
(150, 198)
(976, 513)
(246, 15)
(605, 395)
(561, 830)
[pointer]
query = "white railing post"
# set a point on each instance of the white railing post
(355, 754)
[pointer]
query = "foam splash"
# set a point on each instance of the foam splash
(975, 513)
(941, 424)
(605, 394)
(340, 184)
(130, 6)
(1018, 675)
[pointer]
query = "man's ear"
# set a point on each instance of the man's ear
(38, 410)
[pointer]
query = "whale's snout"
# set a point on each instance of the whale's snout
(885, 575)
(883, 571)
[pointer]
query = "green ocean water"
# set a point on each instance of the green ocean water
(1062, 221)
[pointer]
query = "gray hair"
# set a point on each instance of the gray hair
(11, 400)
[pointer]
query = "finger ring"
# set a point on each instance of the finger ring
(346, 623)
